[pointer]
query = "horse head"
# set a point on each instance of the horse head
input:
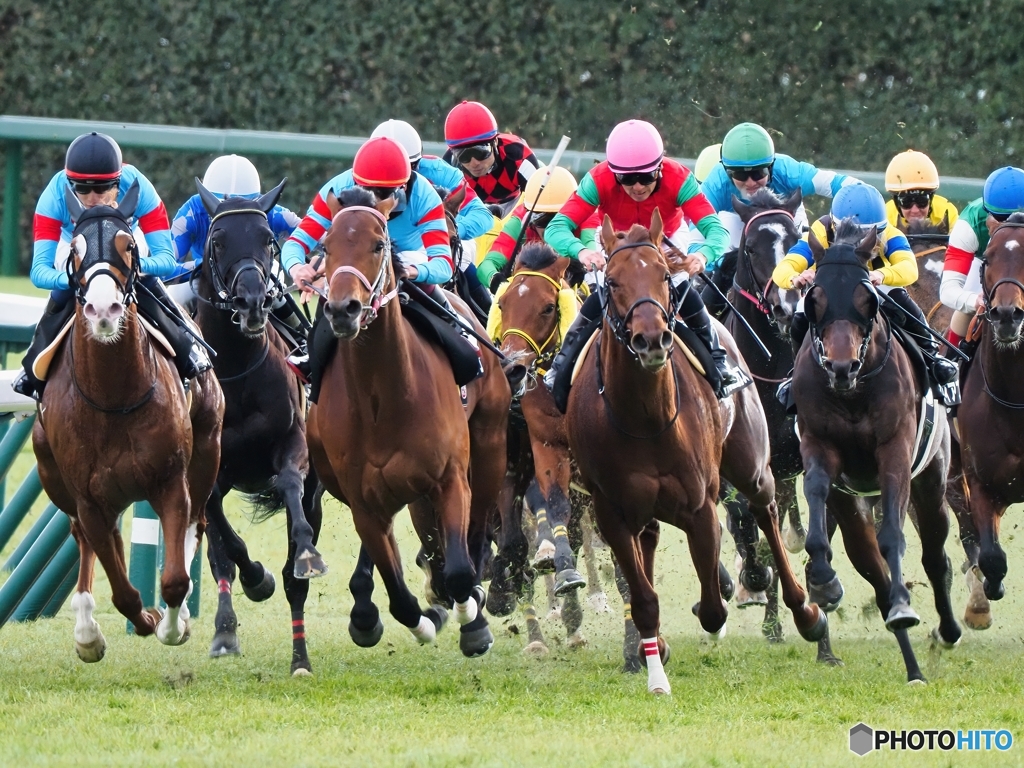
(1002, 281)
(104, 262)
(535, 308)
(357, 246)
(239, 257)
(769, 231)
(637, 301)
(842, 305)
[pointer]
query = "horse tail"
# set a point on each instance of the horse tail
(264, 504)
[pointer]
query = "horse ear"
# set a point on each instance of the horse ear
(210, 200)
(867, 245)
(811, 305)
(742, 209)
(607, 234)
(657, 227)
(75, 207)
(561, 264)
(817, 249)
(455, 200)
(267, 202)
(130, 201)
(386, 206)
(794, 201)
(333, 204)
(944, 224)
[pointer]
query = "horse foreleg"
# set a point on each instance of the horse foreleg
(987, 513)
(821, 465)
(364, 626)
(225, 623)
(296, 589)
(90, 644)
(895, 495)
(536, 646)
(424, 521)
(794, 536)
(567, 578)
(292, 467)
(180, 542)
(257, 581)
(597, 598)
(754, 577)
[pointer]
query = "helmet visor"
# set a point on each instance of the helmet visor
(472, 152)
(755, 173)
(629, 179)
(913, 198)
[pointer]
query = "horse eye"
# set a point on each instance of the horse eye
(610, 283)
(548, 309)
(379, 247)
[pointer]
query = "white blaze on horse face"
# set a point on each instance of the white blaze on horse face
(787, 299)
(934, 266)
(1011, 245)
(523, 288)
(103, 305)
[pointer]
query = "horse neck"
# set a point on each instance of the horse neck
(640, 399)
(781, 361)
(234, 348)
(1002, 366)
(383, 355)
(117, 372)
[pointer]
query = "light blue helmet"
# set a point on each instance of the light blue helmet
(1004, 191)
(862, 203)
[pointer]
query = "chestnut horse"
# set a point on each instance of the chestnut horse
(858, 406)
(991, 419)
(263, 445)
(116, 426)
(929, 241)
(650, 439)
(390, 430)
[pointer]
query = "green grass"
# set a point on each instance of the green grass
(21, 286)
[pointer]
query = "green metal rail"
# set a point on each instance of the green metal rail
(16, 130)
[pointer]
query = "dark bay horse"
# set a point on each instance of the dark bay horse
(991, 420)
(116, 426)
(858, 406)
(390, 429)
(263, 446)
(650, 439)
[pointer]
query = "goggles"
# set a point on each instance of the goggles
(749, 174)
(464, 155)
(541, 220)
(382, 193)
(1000, 217)
(629, 179)
(99, 187)
(913, 198)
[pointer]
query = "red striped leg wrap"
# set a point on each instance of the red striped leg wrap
(223, 586)
(298, 629)
(650, 647)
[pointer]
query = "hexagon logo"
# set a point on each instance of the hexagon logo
(862, 739)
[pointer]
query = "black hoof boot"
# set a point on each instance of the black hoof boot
(568, 581)
(438, 616)
(994, 591)
(366, 638)
(726, 586)
(475, 638)
(258, 591)
(827, 596)
(756, 579)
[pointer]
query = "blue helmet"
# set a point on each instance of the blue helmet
(861, 202)
(1004, 191)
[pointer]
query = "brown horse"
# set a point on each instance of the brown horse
(391, 430)
(991, 418)
(115, 427)
(858, 405)
(650, 439)
(929, 242)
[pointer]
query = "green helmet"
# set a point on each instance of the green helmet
(747, 145)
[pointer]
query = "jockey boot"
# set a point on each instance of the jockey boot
(944, 372)
(797, 331)
(713, 300)
(731, 378)
(559, 376)
(53, 319)
(190, 357)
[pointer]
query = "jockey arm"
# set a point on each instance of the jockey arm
(560, 233)
(900, 269)
(474, 218)
(697, 209)
(963, 245)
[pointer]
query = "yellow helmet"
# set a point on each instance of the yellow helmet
(706, 160)
(559, 189)
(911, 170)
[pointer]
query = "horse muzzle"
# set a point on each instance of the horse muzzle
(345, 316)
(1006, 324)
(842, 374)
(652, 349)
(105, 320)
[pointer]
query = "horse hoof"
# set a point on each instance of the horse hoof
(261, 591)
(939, 640)
(576, 640)
(544, 560)
(599, 603)
(977, 619)
(794, 540)
(717, 635)
(827, 596)
(830, 660)
(747, 599)
(225, 644)
(994, 591)
(92, 652)
(568, 581)
(366, 638)
(475, 642)
(901, 616)
(536, 649)
(500, 602)
(820, 628)
(917, 681)
(726, 586)
(302, 672)
(309, 565)
(438, 614)
(631, 665)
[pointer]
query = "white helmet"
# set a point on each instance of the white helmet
(232, 176)
(404, 134)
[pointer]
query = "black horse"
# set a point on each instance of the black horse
(263, 446)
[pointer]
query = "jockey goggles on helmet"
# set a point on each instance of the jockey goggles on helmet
(1000, 217)
(382, 193)
(541, 220)
(99, 186)
(913, 198)
(472, 152)
(645, 178)
(755, 173)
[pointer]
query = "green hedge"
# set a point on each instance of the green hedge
(843, 85)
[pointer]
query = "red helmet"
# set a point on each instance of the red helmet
(469, 123)
(381, 162)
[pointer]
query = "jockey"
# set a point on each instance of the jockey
(892, 267)
(706, 161)
(961, 288)
(749, 162)
(634, 180)
(496, 165)
(94, 171)
(227, 176)
(912, 179)
(416, 224)
(535, 214)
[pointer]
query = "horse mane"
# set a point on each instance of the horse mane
(849, 232)
(923, 226)
(767, 199)
(536, 256)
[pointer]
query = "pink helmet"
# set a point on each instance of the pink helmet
(634, 146)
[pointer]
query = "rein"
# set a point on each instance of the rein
(987, 296)
(378, 298)
(125, 410)
(254, 366)
(759, 298)
(541, 359)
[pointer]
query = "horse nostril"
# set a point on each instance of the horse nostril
(239, 304)
(89, 311)
(855, 367)
(352, 307)
(666, 340)
(639, 342)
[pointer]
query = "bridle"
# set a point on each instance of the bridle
(759, 297)
(224, 295)
(985, 292)
(123, 275)
(542, 359)
(378, 298)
